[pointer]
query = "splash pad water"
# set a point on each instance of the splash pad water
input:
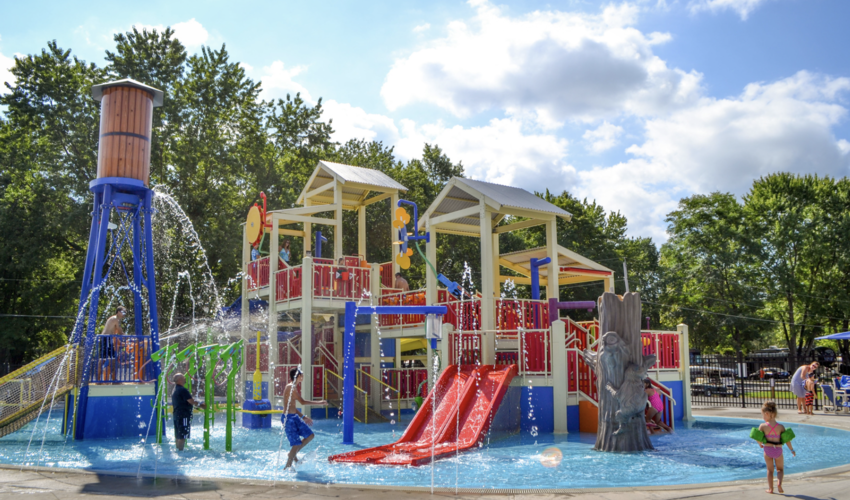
(708, 450)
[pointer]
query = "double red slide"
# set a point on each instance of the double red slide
(467, 397)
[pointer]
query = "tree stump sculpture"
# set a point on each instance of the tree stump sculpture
(620, 368)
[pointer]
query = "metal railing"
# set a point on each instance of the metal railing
(258, 273)
(336, 381)
(347, 281)
(395, 297)
(407, 380)
(386, 385)
(119, 359)
(515, 314)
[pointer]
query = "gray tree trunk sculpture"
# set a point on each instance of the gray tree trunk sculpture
(620, 368)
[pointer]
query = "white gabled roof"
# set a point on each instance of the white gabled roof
(328, 171)
(350, 173)
(460, 194)
(514, 197)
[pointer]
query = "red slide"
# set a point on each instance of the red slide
(466, 398)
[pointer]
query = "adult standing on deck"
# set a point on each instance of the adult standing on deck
(182, 405)
(798, 382)
(401, 283)
(107, 347)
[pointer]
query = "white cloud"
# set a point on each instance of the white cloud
(497, 152)
(6, 65)
(421, 28)
(191, 33)
(549, 65)
(603, 138)
(350, 122)
(742, 7)
(279, 81)
(725, 144)
(246, 66)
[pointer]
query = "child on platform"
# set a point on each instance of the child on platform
(656, 406)
(773, 445)
(295, 424)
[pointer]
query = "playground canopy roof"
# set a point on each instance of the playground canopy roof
(456, 208)
(573, 268)
(356, 183)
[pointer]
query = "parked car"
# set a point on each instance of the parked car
(772, 351)
(770, 372)
(709, 390)
(711, 380)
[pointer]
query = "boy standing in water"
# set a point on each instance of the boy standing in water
(295, 424)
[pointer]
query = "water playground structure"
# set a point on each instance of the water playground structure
(468, 365)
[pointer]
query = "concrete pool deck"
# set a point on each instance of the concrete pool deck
(64, 484)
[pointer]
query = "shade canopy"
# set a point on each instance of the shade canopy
(835, 336)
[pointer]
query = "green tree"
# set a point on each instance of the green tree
(48, 149)
(712, 272)
(786, 216)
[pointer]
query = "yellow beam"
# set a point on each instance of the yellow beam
(329, 185)
(376, 199)
(515, 268)
(518, 225)
(458, 214)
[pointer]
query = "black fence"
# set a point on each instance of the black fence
(7, 368)
(748, 381)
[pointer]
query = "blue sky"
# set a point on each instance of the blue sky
(634, 104)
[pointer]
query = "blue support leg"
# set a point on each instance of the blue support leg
(348, 374)
(137, 275)
(151, 278)
(97, 270)
(86, 288)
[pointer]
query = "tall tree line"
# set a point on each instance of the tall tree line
(738, 271)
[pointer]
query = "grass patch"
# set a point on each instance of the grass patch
(767, 395)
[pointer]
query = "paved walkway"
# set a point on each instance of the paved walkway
(58, 484)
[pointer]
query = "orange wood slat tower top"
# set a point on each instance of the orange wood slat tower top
(126, 117)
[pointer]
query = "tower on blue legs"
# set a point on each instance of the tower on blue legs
(117, 380)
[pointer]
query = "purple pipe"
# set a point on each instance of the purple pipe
(555, 306)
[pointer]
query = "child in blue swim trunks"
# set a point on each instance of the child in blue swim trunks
(295, 424)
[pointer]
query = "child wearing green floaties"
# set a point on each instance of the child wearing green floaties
(771, 436)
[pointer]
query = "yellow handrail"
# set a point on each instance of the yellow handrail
(397, 391)
(365, 397)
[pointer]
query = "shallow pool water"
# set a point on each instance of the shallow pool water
(707, 450)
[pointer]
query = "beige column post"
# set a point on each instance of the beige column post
(338, 342)
(609, 281)
(308, 228)
(685, 366)
(361, 232)
(393, 233)
(272, 329)
(558, 333)
(374, 342)
(431, 283)
(338, 228)
(488, 302)
(397, 361)
(245, 320)
(552, 252)
(445, 349)
(497, 284)
(307, 328)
